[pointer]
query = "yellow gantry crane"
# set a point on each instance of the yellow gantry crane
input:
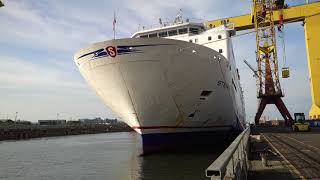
(309, 14)
(268, 84)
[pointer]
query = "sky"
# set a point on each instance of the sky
(39, 80)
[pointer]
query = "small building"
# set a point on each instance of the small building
(277, 122)
(263, 121)
(111, 121)
(52, 122)
(93, 121)
(74, 122)
(23, 122)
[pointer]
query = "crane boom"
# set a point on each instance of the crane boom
(252, 69)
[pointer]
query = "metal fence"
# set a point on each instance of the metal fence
(233, 162)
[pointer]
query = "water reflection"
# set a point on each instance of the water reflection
(190, 164)
(111, 156)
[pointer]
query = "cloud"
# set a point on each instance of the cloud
(27, 26)
(40, 91)
(64, 26)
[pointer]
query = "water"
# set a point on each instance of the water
(109, 156)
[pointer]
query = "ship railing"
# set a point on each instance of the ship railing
(169, 23)
(233, 162)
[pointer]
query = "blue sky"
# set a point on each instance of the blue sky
(38, 78)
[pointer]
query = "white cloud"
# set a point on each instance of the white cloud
(26, 26)
(40, 91)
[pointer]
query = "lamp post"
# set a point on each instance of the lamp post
(15, 118)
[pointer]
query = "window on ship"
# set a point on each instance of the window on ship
(163, 34)
(143, 36)
(153, 35)
(183, 31)
(172, 32)
(194, 30)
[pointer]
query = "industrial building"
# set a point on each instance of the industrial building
(52, 122)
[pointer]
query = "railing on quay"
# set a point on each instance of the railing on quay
(233, 162)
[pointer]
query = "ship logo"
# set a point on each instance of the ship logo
(113, 51)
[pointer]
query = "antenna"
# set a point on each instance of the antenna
(15, 117)
(114, 25)
(179, 19)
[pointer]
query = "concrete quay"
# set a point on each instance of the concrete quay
(17, 132)
(269, 153)
(284, 154)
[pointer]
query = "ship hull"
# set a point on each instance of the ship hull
(163, 88)
(203, 141)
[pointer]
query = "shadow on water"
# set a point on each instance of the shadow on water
(185, 164)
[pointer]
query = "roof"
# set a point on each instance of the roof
(168, 27)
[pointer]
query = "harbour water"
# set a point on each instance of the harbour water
(109, 156)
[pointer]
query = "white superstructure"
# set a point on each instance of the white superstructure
(175, 78)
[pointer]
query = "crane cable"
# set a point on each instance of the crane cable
(282, 37)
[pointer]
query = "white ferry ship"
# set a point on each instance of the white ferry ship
(175, 84)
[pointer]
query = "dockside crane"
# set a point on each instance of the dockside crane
(268, 86)
(309, 14)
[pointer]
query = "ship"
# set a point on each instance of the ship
(176, 84)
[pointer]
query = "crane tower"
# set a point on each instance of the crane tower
(268, 84)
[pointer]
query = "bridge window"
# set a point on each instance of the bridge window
(190, 40)
(183, 31)
(219, 36)
(196, 40)
(220, 50)
(173, 32)
(209, 38)
(153, 35)
(194, 30)
(144, 36)
(163, 34)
